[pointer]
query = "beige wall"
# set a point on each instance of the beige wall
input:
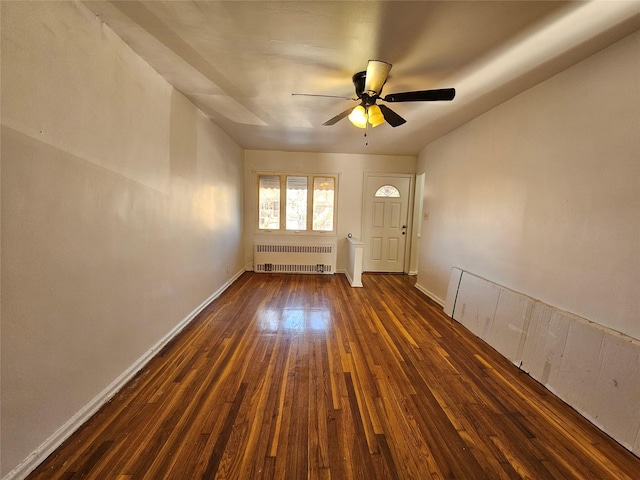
(351, 169)
(121, 214)
(542, 194)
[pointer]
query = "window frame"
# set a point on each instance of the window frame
(282, 230)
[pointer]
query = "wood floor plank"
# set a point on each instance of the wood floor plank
(302, 376)
(224, 435)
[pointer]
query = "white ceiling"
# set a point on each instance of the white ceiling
(239, 62)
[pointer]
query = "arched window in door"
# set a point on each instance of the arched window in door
(387, 191)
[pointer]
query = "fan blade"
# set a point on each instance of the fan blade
(377, 72)
(391, 117)
(422, 96)
(318, 95)
(338, 117)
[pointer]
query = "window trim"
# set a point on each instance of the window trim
(311, 176)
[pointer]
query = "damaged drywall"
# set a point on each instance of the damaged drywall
(591, 367)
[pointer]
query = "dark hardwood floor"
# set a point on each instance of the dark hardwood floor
(302, 376)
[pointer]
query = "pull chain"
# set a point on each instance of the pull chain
(366, 129)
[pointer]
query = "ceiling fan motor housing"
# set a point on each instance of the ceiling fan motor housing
(358, 82)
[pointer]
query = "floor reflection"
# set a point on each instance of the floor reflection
(271, 320)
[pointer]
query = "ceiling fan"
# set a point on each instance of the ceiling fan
(368, 86)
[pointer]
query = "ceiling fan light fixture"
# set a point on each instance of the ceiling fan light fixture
(358, 117)
(375, 115)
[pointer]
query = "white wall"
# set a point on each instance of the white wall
(350, 168)
(121, 214)
(542, 194)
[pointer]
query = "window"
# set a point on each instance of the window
(269, 202)
(323, 198)
(296, 202)
(388, 191)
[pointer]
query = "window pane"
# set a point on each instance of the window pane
(323, 195)
(269, 198)
(388, 191)
(296, 203)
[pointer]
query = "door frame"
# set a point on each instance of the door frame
(418, 208)
(410, 207)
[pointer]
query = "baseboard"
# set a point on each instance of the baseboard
(30, 463)
(432, 296)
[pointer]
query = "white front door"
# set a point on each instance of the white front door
(386, 205)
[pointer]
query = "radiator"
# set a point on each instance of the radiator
(286, 258)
